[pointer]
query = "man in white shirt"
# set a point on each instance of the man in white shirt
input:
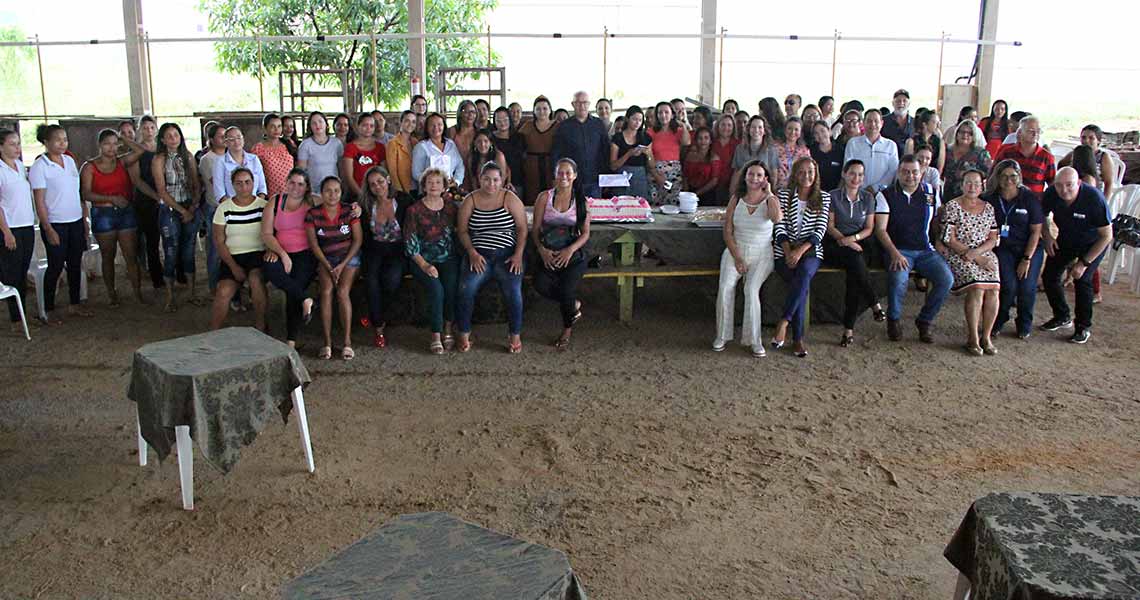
(880, 156)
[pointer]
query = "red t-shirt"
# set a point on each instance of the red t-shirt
(666, 144)
(724, 152)
(362, 160)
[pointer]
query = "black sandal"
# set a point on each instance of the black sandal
(846, 340)
(879, 314)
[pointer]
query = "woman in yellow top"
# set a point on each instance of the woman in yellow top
(399, 154)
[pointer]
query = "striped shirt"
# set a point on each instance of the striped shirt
(1037, 169)
(800, 224)
(243, 225)
(491, 229)
(334, 234)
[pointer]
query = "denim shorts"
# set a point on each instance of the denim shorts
(109, 219)
(354, 263)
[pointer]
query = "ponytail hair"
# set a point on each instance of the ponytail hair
(45, 132)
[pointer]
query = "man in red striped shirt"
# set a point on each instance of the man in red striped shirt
(1038, 167)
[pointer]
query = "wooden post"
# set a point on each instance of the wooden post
(149, 71)
(834, 54)
(605, 58)
(708, 50)
(941, 54)
(985, 77)
(720, 71)
(375, 79)
(43, 90)
(261, 76)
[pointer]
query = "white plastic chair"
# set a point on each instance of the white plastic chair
(10, 292)
(1125, 201)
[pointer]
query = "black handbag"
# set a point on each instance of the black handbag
(1125, 232)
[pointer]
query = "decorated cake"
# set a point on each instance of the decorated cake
(620, 209)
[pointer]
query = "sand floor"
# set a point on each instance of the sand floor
(662, 469)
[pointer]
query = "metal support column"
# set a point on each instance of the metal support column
(138, 60)
(416, 52)
(986, 62)
(708, 52)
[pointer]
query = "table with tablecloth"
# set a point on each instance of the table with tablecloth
(226, 385)
(438, 556)
(1041, 546)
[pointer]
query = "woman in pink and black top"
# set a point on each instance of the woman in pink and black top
(289, 264)
(335, 238)
(788, 151)
(275, 158)
(668, 136)
(561, 229)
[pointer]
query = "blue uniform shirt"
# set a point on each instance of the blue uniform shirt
(1077, 223)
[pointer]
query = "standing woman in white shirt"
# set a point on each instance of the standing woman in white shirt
(752, 210)
(17, 220)
(63, 217)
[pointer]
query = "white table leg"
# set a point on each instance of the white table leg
(142, 442)
(962, 589)
(303, 425)
(185, 465)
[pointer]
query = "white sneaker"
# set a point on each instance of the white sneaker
(758, 351)
(718, 345)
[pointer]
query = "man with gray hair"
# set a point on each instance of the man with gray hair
(1084, 232)
(1037, 165)
(583, 139)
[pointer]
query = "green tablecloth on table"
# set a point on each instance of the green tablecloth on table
(436, 556)
(226, 385)
(1036, 546)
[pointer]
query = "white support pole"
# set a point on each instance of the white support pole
(303, 427)
(185, 464)
(709, 32)
(138, 73)
(416, 48)
(986, 62)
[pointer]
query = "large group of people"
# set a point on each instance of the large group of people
(963, 209)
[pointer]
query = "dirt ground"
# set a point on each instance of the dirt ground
(662, 469)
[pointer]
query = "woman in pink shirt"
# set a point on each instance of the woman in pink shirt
(289, 264)
(668, 135)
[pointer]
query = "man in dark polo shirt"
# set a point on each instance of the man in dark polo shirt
(1084, 232)
(899, 125)
(1037, 165)
(904, 213)
(583, 139)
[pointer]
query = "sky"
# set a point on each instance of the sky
(1060, 68)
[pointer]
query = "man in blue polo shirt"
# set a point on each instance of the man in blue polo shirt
(1084, 232)
(904, 213)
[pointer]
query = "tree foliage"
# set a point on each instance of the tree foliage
(342, 17)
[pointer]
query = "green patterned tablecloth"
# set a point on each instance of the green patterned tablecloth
(435, 556)
(227, 385)
(1033, 546)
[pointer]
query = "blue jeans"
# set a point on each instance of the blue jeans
(440, 292)
(1017, 292)
(509, 284)
(295, 284)
(178, 241)
(638, 182)
(212, 261)
(930, 265)
(799, 286)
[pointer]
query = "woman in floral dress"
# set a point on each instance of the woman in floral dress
(969, 235)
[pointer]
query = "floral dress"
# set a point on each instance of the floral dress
(971, 230)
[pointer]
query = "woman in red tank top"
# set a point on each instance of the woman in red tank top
(106, 184)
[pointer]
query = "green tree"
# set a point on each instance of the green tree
(344, 17)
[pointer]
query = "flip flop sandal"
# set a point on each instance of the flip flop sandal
(463, 346)
(347, 353)
(448, 342)
(325, 353)
(436, 348)
(513, 347)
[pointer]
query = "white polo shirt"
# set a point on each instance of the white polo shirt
(61, 188)
(16, 196)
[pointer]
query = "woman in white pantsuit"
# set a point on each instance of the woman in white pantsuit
(751, 212)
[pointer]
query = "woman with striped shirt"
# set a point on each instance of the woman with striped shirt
(335, 237)
(798, 239)
(492, 229)
(237, 239)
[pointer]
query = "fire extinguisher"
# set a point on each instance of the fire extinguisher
(416, 86)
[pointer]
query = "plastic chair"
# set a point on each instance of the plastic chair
(1125, 201)
(10, 292)
(38, 270)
